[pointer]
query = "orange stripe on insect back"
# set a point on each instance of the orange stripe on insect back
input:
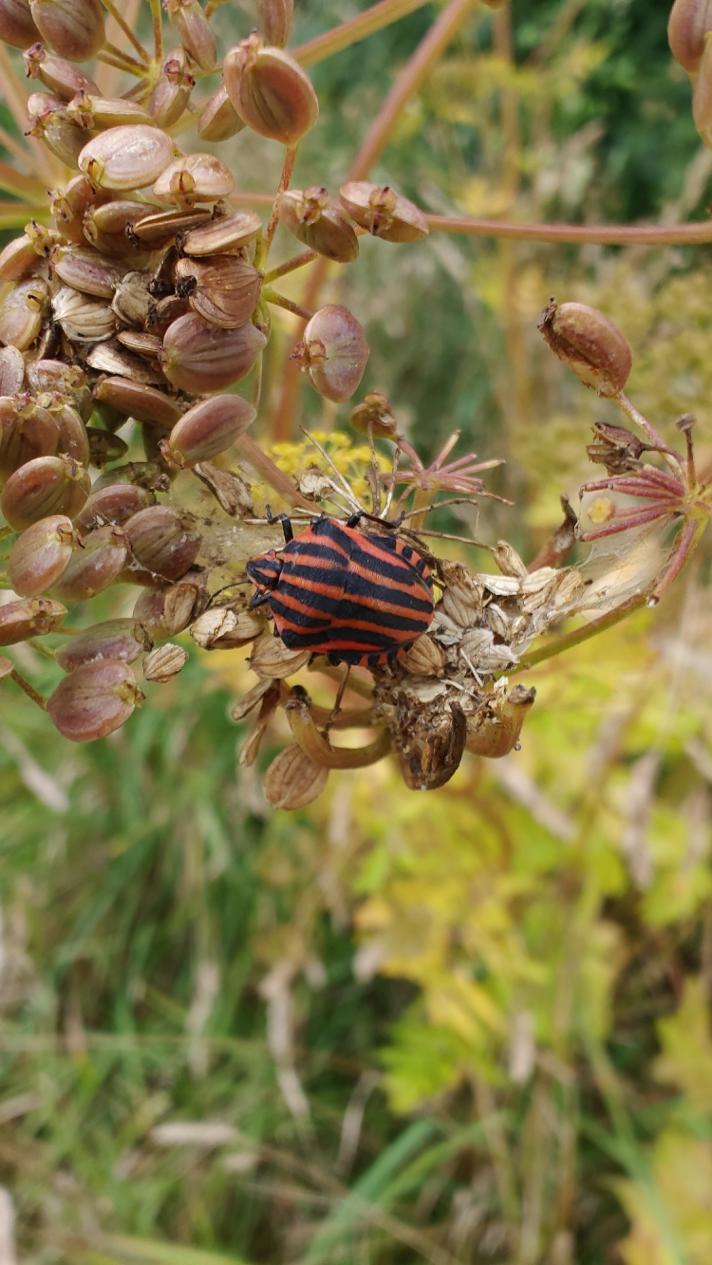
(410, 585)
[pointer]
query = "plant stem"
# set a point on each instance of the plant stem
(130, 62)
(157, 23)
(287, 168)
(575, 638)
(291, 265)
(270, 472)
(355, 29)
(30, 690)
(586, 234)
(648, 429)
(121, 22)
(121, 63)
(279, 300)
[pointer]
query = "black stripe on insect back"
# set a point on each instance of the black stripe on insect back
(341, 608)
(346, 585)
(370, 642)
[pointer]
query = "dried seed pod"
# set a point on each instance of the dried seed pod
(120, 640)
(162, 314)
(164, 662)
(591, 345)
(73, 28)
(127, 157)
(293, 780)
(94, 113)
(230, 491)
(383, 212)
(200, 358)
(145, 345)
(26, 431)
(194, 178)
(67, 383)
(108, 227)
(135, 399)
(22, 312)
(132, 300)
(270, 91)
(221, 628)
(95, 565)
(44, 486)
(166, 612)
(59, 75)
(84, 320)
(319, 221)
(334, 352)
(430, 743)
(218, 119)
(32, 617)
(94, 700)
(226, 288)
(70, 205)
(425, 657)
(40, 555)
(171, 94)
(86, 271)
(223, 235)
(115, 504)
(162, 227)
(72, 438)
(195, 31)
(463, 598)
(208, 428)
(112, 359)
(16, 23)
(276, 21)
(160, 542)
(495, 728)
(375, 416)
(12, 371)
(51, 125)
(689, 22)
(21, 257)
(272, 659)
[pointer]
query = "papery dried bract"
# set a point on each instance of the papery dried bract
(270, 91)
(94, 700)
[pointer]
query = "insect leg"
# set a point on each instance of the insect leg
(339, 696)
(284, 519)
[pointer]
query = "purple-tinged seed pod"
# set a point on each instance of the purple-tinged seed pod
(44, 486)
(94, 565)
(135, 399)
(171, 95)
(26, 431)
(145, 345)
(689, 22)
(163, 663)
(168, 611)
(200, 358)
(120, 640)
(94, 700)
(69, 206)
(223, 235)
(72, 440)
(115, 503)
(319, 222)
(30, 617)
(270, 91)
(94, 113)
(194, 178)
(56, 73)
(17, 26)
(12, 371)
(160, 543)
(218, 119)
(276, 21)
(49, 123)
(84, 270)
(22, 312)
(73, 28)
(126, 157)
(194, 30)
(208, 428)
(333, 352)
(40, 555)
(225, 289)
(383, 212)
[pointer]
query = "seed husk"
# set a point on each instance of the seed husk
(171, 95)
(113, 359)
(226, 291)
(12, 371)
(120, 640)
(162, 227)
(146, 345)
(72, 440)
(168, 611)
(319, 222)
(272, 659)
(160, 543)
(592, 346)
(73, 28)
(221, 628)
(22, 313)
(70, 205)
(44, 486)
(293, 780)
(94, 700)
(86, 271)
(334, 352)
(16, 23)
(194, 30)
(30, 617)
(231, 491)
(200, 358)
(126, 157)
(40, 555)
(224, 235)
(115, 504)
(208, 428)
(20, 257)
(163, 663)
(194, 178)
(95, 565)
(383, 212)
(132, 300)
(135, 399)
(270, 91)
(276, 21)
(218, 119)
(94, 113)
(26, 431)
(83, 319)
(58, 74)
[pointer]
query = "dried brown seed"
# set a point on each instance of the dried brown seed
(83, 319)
(375, 416)
(495, 728)
(271, 658)
(94, 700)
(22, 312)
(276, 21)
(40, 555)
(194, 178)
(208, 428)
(223, 235)
(319, 221)
(120, 640)
(689, 22)
(591, 345)
(293, 780)
(161, 227)
(135, 399)
(425, 657)
(199, 357)
(221, 628)
(72, 28)
(128, 157)
(95, 564)
(69, 206)
(94, 113)
(160, 542)
(111, 358)
(224, 288)
(44, 486)
(270, 91)
(171, 94)
(334, 352)
(164, 662)
(146, 345)
(72, 440)
(50, 123)
(463, 598)
(132, 300)
(26, 431)
(12, 371)
(230, 491)
(86, 271)
(167, 611)
(218, 119)
(383, 212)
(32, 617)
(162, 314)
(19, 258)
(113, 504)
(195, 31)
(58, 74)
(16, 24)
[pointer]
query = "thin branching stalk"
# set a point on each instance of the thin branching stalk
(291, 265)
(123, 24)
(584, 234)
(280, 300)
(354, 30)
(157, 23)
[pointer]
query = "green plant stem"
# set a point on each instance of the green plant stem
(355, 29)
(121, 22)
(157, 23)
(291, 265)
(586, 234)
(575, 638)
(130, 62)
(279, 300)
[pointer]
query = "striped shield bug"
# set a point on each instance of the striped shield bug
(358, 597)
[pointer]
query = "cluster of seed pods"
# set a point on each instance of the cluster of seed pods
(143, 296)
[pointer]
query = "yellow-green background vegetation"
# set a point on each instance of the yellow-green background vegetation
(464, 1026)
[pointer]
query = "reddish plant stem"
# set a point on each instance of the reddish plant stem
(280, 300)
(291, 265)
(124, 26)
(355, 29)
(29, 690)
(586, 234)
(287, 168)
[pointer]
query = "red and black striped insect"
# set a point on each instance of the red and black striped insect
(358, 597)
